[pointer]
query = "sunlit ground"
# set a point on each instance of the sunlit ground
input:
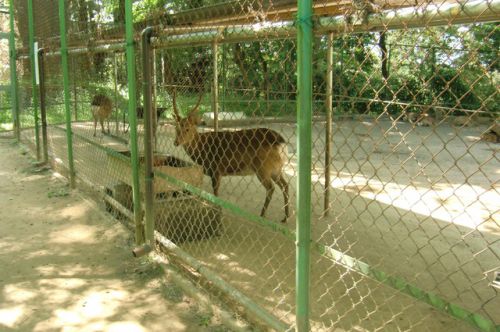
(66, 266)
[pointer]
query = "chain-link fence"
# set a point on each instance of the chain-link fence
(204, 145)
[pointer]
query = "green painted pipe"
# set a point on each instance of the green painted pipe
(221, 284)
(43, 104)
(64, 60)
(34, 89)
(304, 145)
(475, 11)
(13, 75)
(132, 118)
(328, 124)
(215, 85)
(106, 48)
(148, 135)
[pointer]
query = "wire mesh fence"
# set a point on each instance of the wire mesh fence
(405, 183)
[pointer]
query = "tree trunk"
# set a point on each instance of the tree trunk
(239, 59)
(385, 59)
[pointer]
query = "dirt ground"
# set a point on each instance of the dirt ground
(67, 266)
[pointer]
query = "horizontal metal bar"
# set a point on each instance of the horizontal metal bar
(420, 17)
(430, 15)
(120, 46)
(221, 284)
(227, 205)
(105, 48)
(108, 150)
(348, 262)
(225, 9)
(117, 205)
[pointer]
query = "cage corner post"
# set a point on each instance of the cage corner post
(132, 117)
(67, 108)
(13, 75)
(34, 90)
(304, 144)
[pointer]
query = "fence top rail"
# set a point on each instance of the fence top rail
(409, 17)
(231, 15)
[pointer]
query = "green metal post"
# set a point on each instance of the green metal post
(215, 85)
(328, 124)
(13, 75)
(115, 85)
(132, 118)
(304, 127)
(148, 136)
(224, 77)
(43, 104)
(34, 89)
(64, 60)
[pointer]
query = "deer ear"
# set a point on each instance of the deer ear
(194, 118)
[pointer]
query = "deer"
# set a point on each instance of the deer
(420, 119)
(259, 151)
(102, 107)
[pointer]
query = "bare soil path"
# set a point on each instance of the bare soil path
(67, 266)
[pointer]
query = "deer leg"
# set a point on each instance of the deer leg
(95, 126)
(215, 183)
(268, 184)
(101, 121)
(281, 182)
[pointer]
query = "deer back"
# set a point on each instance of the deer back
(238, 152)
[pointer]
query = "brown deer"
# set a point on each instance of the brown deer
(420, 119)
(102, 107)
(260, 151)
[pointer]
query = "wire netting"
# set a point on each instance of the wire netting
(405, 168)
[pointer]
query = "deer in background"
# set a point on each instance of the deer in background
(102, 107)
(420, 119)
(259, 151)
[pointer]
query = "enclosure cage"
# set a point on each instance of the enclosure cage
(316, 164)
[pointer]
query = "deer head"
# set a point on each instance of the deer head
(185, 128)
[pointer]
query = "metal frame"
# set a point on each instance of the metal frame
(304, 146)
(148, 135)
(34, 88)
(132, 117)
(64, 64)
(43, 108)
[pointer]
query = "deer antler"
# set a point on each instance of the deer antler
(195, 108)
(174, 104)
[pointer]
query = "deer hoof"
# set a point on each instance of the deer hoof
(284, 220)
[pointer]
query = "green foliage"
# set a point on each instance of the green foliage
(454, 67)
(59, 191)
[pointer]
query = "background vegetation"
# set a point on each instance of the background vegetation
(450, 70)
